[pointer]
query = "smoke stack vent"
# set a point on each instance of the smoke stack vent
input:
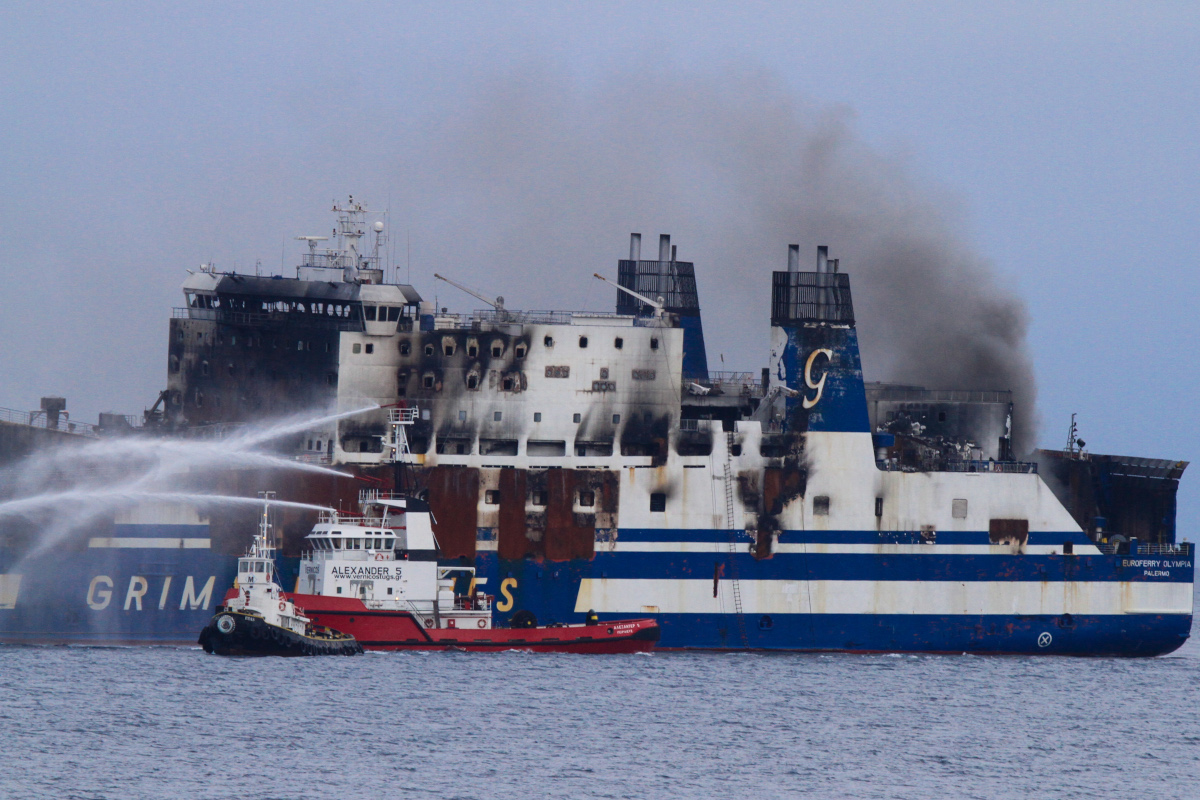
(664, 247)
(635, 246)
(672, 252)
(822, 259)
(793, 258)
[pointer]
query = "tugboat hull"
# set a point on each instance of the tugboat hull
(235, 634)
(401, 630)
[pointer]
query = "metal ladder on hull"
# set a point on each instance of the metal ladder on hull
(734, 582)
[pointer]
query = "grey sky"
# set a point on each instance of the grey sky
(1053, 146)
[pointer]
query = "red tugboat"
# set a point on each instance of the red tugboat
(376, 577)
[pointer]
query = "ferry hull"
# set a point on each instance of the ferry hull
(953, 598)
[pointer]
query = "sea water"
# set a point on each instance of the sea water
(164, 722)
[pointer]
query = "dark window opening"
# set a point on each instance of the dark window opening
(576, 417)
(405, 348)
(497, 447)
(583, 341)
(427, 381)
(497, 350)
(587, 498)
(428, 349)
(618, 342)
(370, 348)
(821, 506)
(369, 313)
(393, 313)
(941, 416)
(507, 385)
(472, 351)
(654, 344)
(497, 415)
(519, 351)
(616, 419)
(539, 498)
(472, 381)
(548, 341)
(537, 416)
(492, 497)
(658, 501)
(879, 506)
(448, 348)
(545, 449)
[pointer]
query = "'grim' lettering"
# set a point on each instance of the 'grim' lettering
(138, 586)
(98, 599)
(190, 597)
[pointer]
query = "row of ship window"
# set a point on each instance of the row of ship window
(450, 347)
(385, 541)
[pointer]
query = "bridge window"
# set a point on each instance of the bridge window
(369, 313)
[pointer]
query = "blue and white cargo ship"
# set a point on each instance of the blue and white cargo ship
(590, 461)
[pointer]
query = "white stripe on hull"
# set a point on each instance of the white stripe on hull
(667, 596)
(166, 543)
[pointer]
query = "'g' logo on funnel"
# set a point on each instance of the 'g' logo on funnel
(808, 378)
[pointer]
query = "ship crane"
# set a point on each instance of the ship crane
(497, 303)
(657, 305)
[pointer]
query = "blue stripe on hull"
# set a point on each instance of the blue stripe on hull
(1125, 635)
(892, 567)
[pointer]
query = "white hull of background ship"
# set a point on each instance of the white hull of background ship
(585, 460)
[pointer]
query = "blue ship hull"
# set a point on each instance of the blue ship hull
(167, 595)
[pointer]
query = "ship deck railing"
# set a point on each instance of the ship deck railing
(37, 419)
(1136, 548)
(229, 317)
(974, 465)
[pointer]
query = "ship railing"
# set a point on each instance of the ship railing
(366, 496)
(736, 384)
(1006, 467)
(37, 419)
(261, 318)
(465, 602)
(1134, 547)
(314, 458)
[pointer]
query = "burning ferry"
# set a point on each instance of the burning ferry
(581, 461)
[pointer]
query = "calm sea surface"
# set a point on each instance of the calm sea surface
(87, 722)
